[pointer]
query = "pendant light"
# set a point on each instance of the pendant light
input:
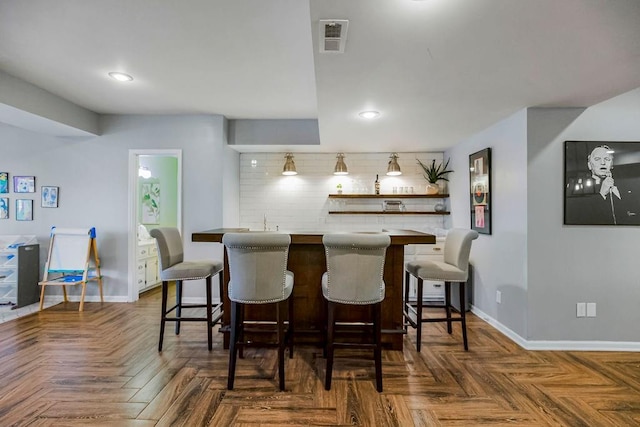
(394, 168)
(341, 167)
(289, 167)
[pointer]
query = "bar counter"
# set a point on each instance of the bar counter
(307, 262)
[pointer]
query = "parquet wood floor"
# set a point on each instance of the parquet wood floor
(101, 367)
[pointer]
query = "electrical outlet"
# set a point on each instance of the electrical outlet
(581, 309)
(591, 309)
(499, 297)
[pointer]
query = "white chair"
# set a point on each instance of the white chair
(258, 275)
(355, 268)
(174, 268)
(454, 269)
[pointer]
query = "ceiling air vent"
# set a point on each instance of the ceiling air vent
(333, 35)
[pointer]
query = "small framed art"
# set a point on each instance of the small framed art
(4, 182)
(49, 197)
(24, 210)
(24, 184)
(480, 189)
(4, 207)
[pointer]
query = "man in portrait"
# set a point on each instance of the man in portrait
(595, 197)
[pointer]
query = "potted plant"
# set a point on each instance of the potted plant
(433, 174)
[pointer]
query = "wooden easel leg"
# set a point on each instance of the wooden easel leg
(42, 297)
(84, 290)
(64, 292)
(100, 287)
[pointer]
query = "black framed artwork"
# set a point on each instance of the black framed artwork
(601, 183)
(480, 190)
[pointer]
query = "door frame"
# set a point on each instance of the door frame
(134, 155)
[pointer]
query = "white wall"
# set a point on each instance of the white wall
(92, 176)
(542, 267)
(499, 259)
(570, 264)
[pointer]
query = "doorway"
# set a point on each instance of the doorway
(155, 200)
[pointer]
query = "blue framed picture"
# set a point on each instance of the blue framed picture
(24, 210)
(24, 184)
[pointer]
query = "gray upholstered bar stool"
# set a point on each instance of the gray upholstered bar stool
(259, 275)
(454, 269)
(355, 268)
(174, 268)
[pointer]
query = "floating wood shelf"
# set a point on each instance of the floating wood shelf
(388, 213)
(388, 196)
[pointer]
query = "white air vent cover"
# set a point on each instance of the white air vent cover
(333, 35)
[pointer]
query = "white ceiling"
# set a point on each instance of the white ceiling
(437, 70)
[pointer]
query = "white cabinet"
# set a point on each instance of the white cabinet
(432, 290)
(148, 274)
(19, 270)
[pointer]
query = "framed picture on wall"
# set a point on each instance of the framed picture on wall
(4, 182)
(480, 190)
(601, 183)
(4, 208)
(24, 210)
(151, 203)
(24, 184)
(49, 197)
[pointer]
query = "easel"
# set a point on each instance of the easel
(71, 252)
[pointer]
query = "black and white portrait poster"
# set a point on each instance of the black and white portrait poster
(601, 183)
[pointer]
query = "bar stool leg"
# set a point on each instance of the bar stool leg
(377, 339)
(447, 304)
(330, 331)
(290, 331)
(405, 302)
(209, 313)
(419, 314)
(233, 339)
(163, 307)
(281, 342)
(463, 314)
(178, 305)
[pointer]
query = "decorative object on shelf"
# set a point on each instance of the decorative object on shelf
(4, 182)
(480, 189)
(339, 188)
(439, 207)
(433, 174)
(289, 166)
(49, 197)
(393, 206)
(24, 210)
(24, 184)
(341, 166)
(376, 185)
(393, 169)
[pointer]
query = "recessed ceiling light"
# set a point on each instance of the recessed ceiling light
(121, 77)
(369, 114)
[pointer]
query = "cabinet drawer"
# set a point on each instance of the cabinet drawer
(143, 251)
(431, 250)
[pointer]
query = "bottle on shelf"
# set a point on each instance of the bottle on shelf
(377, 185)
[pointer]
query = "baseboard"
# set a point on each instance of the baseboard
(562, 345)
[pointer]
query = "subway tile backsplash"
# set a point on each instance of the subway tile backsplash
(269, 200)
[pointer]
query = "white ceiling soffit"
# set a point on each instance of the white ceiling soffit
(333, 35)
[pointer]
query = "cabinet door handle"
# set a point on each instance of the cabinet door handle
(437, 285)
(437, 249)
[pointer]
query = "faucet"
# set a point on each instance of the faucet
(265, 222)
